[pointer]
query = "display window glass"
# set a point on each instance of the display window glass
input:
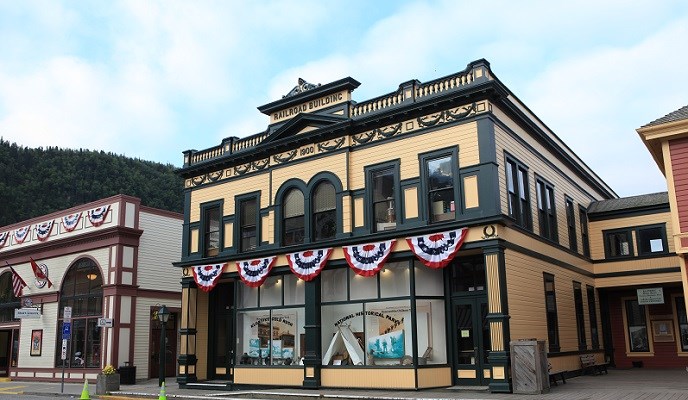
(271, 291)
(294, 292)
(395, 280)
(271, 337)
(429, 281)
(333, 284)
(362, 287)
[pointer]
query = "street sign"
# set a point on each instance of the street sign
(66, 330)
(27, 313)
(67, 314)
(64, 349)
(105, 322)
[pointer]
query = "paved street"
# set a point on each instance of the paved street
(635, 384)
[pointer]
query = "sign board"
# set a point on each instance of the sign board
(64, 349)
(105, 322)
(66, 330)
(67, 314)
(27, 313)
(650, 296)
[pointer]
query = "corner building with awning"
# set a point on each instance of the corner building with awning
(399, 242)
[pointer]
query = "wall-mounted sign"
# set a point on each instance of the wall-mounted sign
(650, 296)
(27, 313)
(105, 322)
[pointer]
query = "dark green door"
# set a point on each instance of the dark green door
(222, 332)
(471, 337)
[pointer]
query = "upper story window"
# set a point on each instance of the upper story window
(211, 234)
(293, 228)
(324, 211)
(547, 215)
(517, 193)
(650, 240)
(439, 184)
(583, 221)
(571, 224)
(383, 182)
(248, 223)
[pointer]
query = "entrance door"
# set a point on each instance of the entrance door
(221, 352)
(170, 347)
(5, 352)
(472, 341)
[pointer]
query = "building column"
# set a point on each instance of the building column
(312, 359)
(187, 352)
(498, 319)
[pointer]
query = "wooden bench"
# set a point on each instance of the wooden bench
(588, 363)
(554, 374)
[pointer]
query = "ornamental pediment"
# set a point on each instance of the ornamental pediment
(303, 123)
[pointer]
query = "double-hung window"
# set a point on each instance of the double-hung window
(211, 231)
(571, 224)
(248, 223)
(439, 185)
(551, 312)
(324, 211)
(580, 316)
(583, 220)
(293, 230)
(547, 215)
(517, 193)
(383, 182)
(592, 310)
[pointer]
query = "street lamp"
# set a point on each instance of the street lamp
(163, 316)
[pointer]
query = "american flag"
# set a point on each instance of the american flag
(18, 283)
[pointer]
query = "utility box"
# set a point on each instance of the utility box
(529, 372)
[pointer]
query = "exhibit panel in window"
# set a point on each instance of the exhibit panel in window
(269, 337)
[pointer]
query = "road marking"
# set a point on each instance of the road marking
(6, 390)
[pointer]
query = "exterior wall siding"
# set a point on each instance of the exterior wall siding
(159, 247)
(678, 150)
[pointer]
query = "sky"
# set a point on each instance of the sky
(150, 79)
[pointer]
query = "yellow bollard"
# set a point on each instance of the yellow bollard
(162, 396)
(84, 392)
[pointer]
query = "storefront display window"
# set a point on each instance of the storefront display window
(8, 302)
(268, 332)
(379, 332)
(333, 284)
(429, 281)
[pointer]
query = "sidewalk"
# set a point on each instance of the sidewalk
(619, 384)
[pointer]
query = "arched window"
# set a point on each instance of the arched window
(7, 300)
(82, 289)
(293, 215)
(324, 211)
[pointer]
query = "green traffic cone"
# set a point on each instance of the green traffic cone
(84, 392)
(162, 396)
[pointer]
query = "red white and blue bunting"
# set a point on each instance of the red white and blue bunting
(43, 230)
(3, 238)
(254, 272)
(368, 259)
(438, 249)
(98, 214)
(70, 221)
(308, 264)
(21, 234)
(207, 276)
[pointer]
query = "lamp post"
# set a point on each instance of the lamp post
(163, 316)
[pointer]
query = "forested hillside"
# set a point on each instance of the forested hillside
(35, 182)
